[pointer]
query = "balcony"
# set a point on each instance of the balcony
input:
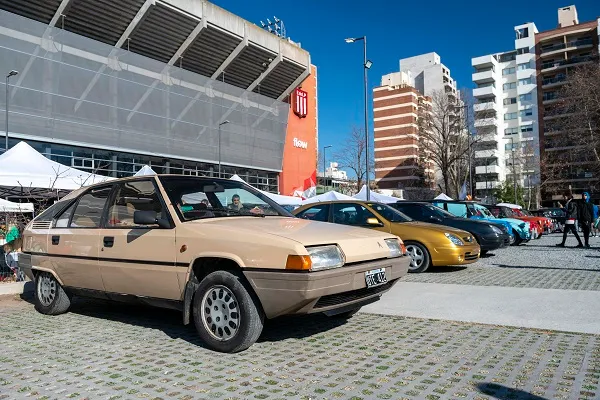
(487, 185)
(550, 97)
(552, 65)
(494, 153)
(483, 76)
(484, 61)
(486, 122)
(487, 138)
(486, 91)
(488, 106)
(488, 169)
(572, 45)
(552, 82)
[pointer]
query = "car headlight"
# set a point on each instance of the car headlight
(325, 257)
(454, 239)
(497, 230)
(396, 249)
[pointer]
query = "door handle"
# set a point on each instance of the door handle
(109, 241)
(55, 240)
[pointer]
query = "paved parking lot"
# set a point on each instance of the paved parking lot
(110, 351)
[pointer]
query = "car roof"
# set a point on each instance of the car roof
(133, 178)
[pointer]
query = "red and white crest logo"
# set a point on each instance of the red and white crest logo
(300, 103)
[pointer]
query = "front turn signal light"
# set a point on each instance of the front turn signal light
(403, 248)
(302, 263)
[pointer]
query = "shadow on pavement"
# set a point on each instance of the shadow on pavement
(171, 321)
(442, 270)
(504, 393)
(549, 268)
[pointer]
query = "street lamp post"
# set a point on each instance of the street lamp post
(324, 174)
(512, 152)
(219, 134)
(366, 66)
(11, 73)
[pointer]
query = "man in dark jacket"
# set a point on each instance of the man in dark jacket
(586, 217)
(572, 215)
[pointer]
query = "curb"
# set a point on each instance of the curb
(16, 288)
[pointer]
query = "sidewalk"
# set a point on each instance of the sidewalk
(552, 309)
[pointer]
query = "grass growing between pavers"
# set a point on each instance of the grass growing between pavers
(102, 350)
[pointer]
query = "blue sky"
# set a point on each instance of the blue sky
(456, 30)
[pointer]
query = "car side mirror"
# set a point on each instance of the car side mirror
(374, 222)
(149, 218)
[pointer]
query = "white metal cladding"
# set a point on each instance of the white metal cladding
(56, 101)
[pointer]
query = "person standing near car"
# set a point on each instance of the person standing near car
(571, 210)
(586, 217)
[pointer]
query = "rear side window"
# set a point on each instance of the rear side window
(50, 212)
(316, 213)
(63, 220)
(89, 209)
(413, 211)
(132, 197)
(460, 210)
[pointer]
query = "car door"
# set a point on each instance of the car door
(356, 214)
(73, 240)
(138, 260)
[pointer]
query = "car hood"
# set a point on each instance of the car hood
(358, 244)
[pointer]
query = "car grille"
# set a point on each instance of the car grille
(341, 298)
(471, 256)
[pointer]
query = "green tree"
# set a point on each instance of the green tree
(506, 193)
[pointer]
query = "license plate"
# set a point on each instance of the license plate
(375, 277)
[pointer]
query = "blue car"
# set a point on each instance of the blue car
(466, 209)
(520, 229)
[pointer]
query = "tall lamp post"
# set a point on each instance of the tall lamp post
(11, 73)
(219, 133)
(514, 167)
(366, 66)
(324, 158)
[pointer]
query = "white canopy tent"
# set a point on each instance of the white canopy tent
(328, 196)
(443, 196)
(10, 207)
(374, 196)
(277, 198)
(26, 173)
(145, 170)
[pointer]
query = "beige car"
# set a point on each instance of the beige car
(218, 250)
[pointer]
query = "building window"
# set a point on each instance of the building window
(510, 100)
(508, 71)
(511, 131)
(527, 128)
(526, 113)
(507, 86)
(523, 66)
(525, 97)
(509, 116)
(523, 50)
(522, 33)
(526, 81)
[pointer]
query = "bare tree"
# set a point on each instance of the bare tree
(352, 156)
(573, 134)
(445, 139)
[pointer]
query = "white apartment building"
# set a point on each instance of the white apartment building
(506, 114)
(428, 74)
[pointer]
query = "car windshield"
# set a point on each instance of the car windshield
(389, 213)
(527, 213)
(507, 212)
(439, 212)
(483, 212)
(199, 198)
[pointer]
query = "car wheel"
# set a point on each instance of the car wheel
(518, 239)
(420, 259)
(227, 317)
(50, 297)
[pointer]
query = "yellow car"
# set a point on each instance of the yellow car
(427, 244)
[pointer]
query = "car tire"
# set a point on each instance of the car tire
(50, 297)
(420, 253)
(518, 239)
(227, 315)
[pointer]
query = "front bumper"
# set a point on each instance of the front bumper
(455, 255)
(287, 292)
(489, 243)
